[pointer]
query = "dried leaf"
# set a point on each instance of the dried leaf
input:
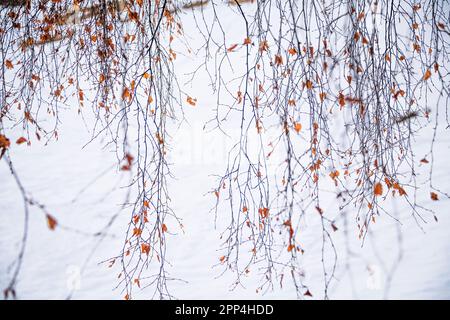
(145, 248)
(292, 51)
(427, 75)
(434, 196)
(51, 222)
(232, 47)
(21, 140)
(137, 232)
(378, 189)
(9, 64)
(191, 101)
(4, 142)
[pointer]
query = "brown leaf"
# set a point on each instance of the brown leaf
(292, 51)
(378, 189)
(232, 47)
(145, 248)
(427, 75)
(434, 196)
(308, 293)
(191, 101)
(51, 222)
(4, 142)
(21, 140)
(9, 64)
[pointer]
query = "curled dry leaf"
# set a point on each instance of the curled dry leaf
(51, 222)
(21, 140)
(191, 101)
(434, 196)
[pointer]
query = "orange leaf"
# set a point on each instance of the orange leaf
(308, 84)
(292, 51)
(322, 96)
(126, 94)
(427, 75)
(125, 167)
(191, 101)
(222, 259)
(232, 47)
(164, 228)
(434, 196)
(21, 140)
(145, 248)
(263, 46)
(341, 99)
(297, 127)
(137, 232)
(378, 189)
(51, 222)
(278, 60)
(334, 174)
(400, 190)
(4, 142)
(290, 247)
(9, 64)
(146, 204)
(247, 41)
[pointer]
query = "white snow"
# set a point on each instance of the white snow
(55, 174)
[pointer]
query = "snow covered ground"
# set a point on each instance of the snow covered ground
(57, 261)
